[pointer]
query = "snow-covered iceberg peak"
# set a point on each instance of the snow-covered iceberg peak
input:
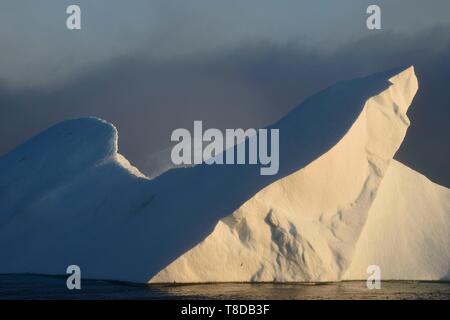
(57, 155)
(304, 227)
(53, 156)
(68, 145)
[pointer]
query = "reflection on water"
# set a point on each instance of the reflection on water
(46, 287)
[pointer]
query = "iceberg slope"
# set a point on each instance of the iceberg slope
(305, 226)
(407, 231)
(406, 234)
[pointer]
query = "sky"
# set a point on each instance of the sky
(152, 66)
(37, 49)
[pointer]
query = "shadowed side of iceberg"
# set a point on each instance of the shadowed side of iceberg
(52, 157)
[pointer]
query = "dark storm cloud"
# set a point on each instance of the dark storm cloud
(248, 86)
(37, 50)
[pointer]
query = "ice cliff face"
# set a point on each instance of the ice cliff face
(336, 206)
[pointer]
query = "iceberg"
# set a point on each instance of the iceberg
(336, 205)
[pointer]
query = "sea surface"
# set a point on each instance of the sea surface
(13, 287)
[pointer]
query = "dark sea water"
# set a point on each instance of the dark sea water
(48, 287)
